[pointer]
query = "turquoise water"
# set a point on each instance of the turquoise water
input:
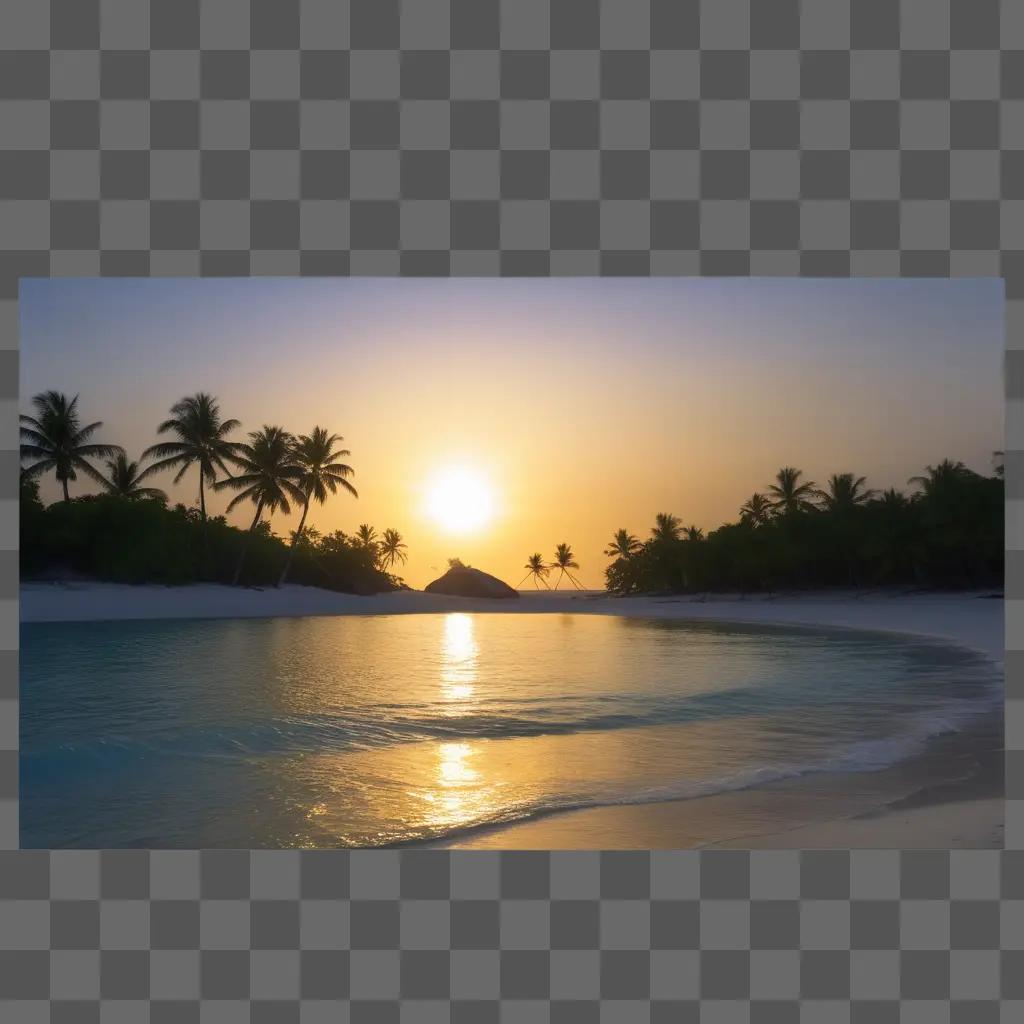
(353, 731)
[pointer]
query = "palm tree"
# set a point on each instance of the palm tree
(125, 480)
(269, 479)
(940, 477)
(201, 440)
(622, 545)
(537, 569)
(756, 510)
(666, 527)
(55, 439)
(844, 492)
(392, 549)
(366, 537)
(321, 474)
(564, 561)
(893, 499)
(694, 533)
(788, 494)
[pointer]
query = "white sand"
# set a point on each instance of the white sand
(958, 825)
(966, 619)
(954, 825)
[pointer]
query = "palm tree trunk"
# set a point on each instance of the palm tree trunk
(206, 534)
(245, 545)
(64, 484)
(295, 541)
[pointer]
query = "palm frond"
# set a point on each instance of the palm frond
(84, 433)
(99, 451)
(167, 449)
(38, 469)
(31, 434)
(34, 451)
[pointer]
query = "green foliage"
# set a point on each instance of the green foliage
(114, 538)
(131, 540)
(32, 516)
(947, 535)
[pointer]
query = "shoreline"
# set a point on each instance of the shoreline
(900, 807)
(970, 619)
(845, 811)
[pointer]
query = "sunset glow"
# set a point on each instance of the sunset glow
(459, 500)
(490, 419)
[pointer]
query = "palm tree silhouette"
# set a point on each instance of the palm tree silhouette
(844, 492)
(940, 477)
(202, 441)
(538, 570)
(56, 439)
(269, 478)
(125, 479)
(666, 527)
(564, 561)
(756, 510)
(366, 535)
(694, 533)
(622, 545)
(893, 499)
(788, 494)
(322, 474)
(392, 549)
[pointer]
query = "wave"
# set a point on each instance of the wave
(393, 724)
(860, 757)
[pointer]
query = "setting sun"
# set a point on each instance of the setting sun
(460, 500)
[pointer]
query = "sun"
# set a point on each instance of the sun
(460, 500)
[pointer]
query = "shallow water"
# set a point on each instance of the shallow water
(354, 731)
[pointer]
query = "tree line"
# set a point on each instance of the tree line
(946, 533)
(127, 531)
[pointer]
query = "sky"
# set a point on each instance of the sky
(576, 405)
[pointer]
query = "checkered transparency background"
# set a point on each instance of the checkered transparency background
(478, 137)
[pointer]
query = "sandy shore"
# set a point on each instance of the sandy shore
(822, 811)
(960, 824)
(969, 620)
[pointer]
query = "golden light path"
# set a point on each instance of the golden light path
(458, 674)
(458, 658)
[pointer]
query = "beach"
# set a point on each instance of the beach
(898, 806)
(973, 620)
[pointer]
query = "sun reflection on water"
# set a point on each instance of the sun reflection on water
(458, 657)
(458, 786)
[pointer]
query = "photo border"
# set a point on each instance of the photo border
(478, 137)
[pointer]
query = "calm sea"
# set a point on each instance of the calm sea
(376, 730)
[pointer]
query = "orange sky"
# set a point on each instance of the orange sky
(584, 404)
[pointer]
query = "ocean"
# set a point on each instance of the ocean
(355, 731)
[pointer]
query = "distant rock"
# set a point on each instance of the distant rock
(462, 581)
